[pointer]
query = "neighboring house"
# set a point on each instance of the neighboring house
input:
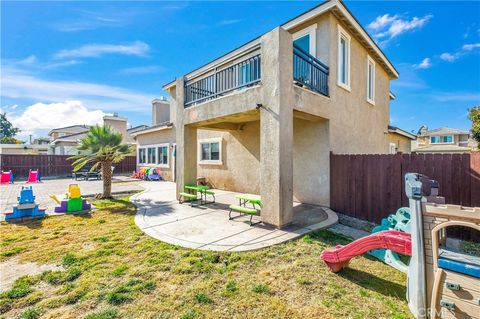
(156, 143)
(41, 141)
(443, 140)
(64, 140)
(264, 117)
(400, 140)
(23, 149)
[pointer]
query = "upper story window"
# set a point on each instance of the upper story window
(343, 79)
(306, 39)
(445, 139)
(210, 151)
(370, 80)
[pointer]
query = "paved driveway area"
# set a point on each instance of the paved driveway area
(208, 227)
(43, 190)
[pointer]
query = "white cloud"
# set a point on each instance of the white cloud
(425, 64)
(387, 27)
(471, 46)
(142, 69)
(17, 84)
(228, 22)
(39, 118)
(466, 49)
(457, 96)
(448, 57)
(381, 21)
(90, 22)
(137, 48)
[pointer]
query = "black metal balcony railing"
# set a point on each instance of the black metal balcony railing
(309, 71)
(239, 75)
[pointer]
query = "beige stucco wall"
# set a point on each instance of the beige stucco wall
(356, 126)
(22, 151)
(403, 143)
(159, 137)
(240, 169)
(311, 157)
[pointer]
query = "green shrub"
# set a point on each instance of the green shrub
(261, 289)
(13, 251)
(69, 259)
(190, 314)
(21, 288)
(202, 298)
(104, 314)
(119, 270)
(231, 287)
(31, 313)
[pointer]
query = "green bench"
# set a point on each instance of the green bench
(243, 210)
(203, 190)
(187, 197)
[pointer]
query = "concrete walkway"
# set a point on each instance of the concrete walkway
(208, 227)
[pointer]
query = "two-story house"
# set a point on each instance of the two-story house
(443, 140)
(64, 140)
(264, 117)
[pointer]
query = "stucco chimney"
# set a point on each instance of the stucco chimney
(117, 123)
(160, 111)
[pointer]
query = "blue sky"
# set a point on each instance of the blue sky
(70, 62)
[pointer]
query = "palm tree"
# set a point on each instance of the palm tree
(102, 146)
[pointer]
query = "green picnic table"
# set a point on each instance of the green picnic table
(204, 190)
(243, 209)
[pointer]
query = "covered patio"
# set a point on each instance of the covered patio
(208, 227)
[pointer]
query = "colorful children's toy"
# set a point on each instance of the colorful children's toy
(33, 176)
(73, 202)
(26, 206)
(442, 281)
(6, 177)
(399, 221)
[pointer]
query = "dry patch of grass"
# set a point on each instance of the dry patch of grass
(113, 270)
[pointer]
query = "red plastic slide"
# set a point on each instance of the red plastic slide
(397, 241)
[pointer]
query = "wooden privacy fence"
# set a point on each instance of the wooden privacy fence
(53, 165)
(370, 187)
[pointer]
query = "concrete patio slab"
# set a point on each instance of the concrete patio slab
(207, 227)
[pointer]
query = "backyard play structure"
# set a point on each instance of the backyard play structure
(73, 202)
(33, 176)
(147, 173)
(441, 282)
(26, 207)
(6, 177)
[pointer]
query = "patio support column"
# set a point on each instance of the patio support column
(276, 128)
(186, 138)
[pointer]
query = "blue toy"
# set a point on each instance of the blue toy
(399, 221)
(26, 206)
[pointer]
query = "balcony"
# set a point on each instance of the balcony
(220, 81)
(244, 71)
(309, 72)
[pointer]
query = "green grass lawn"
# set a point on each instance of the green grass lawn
(113, 270)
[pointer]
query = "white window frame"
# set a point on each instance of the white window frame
(163, 165)
(138, 156)
(439, 139)
(199, 151)
(371, 62)
(157, 158)
(343, 34)
(443, 136)
(392, 148)
(312, 32)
